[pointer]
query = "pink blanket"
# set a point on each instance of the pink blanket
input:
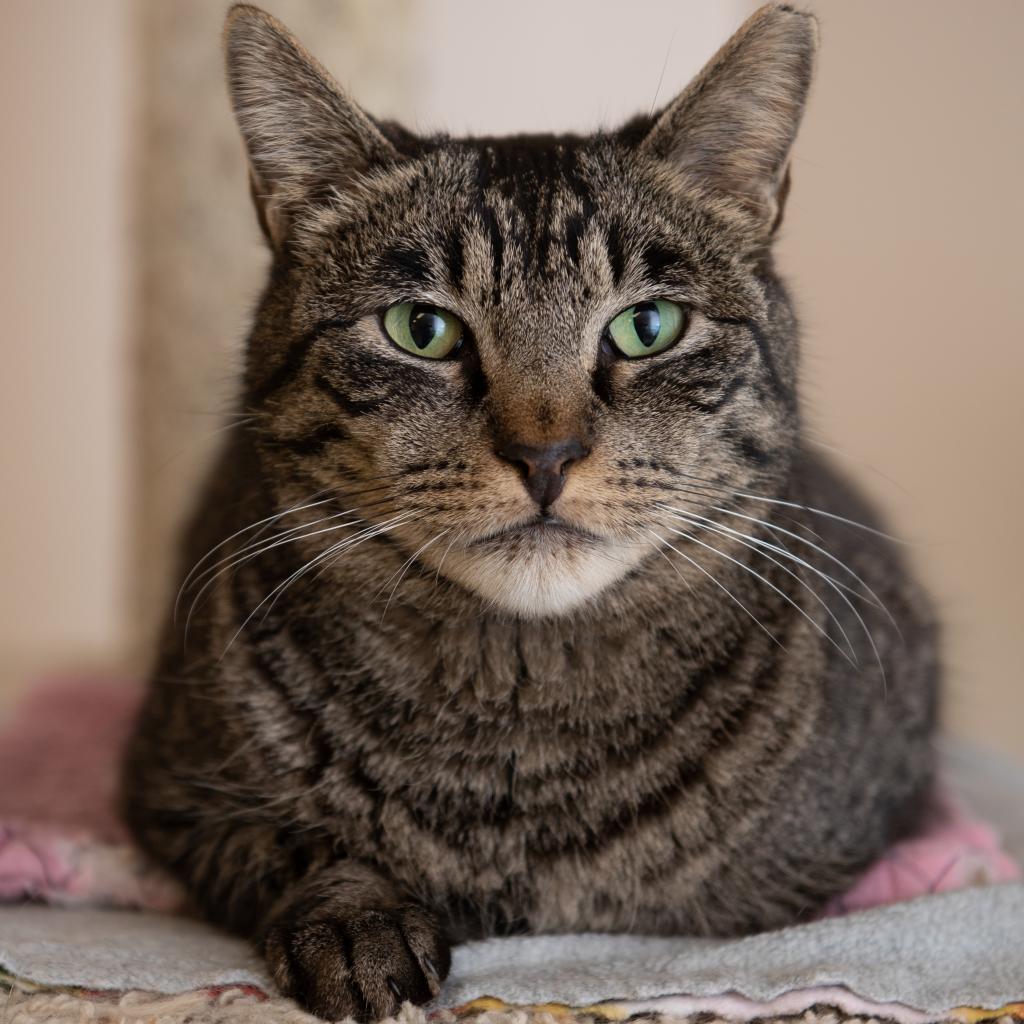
(61, 841)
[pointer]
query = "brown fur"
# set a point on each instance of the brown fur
(667, 699)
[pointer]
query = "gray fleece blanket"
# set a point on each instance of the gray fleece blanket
(913, 961)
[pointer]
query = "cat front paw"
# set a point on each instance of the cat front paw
(362, 965)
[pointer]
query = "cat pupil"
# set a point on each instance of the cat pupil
(424, 326)
(646, 323)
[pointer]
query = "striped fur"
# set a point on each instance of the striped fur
(451, 725)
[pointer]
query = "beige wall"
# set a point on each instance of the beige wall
(64, 460)
(900, 240)
(903, 242)
(567, 65)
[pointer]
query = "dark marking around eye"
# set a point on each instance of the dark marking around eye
(782, 390)
(601, 380)
(752, 450)
(351, 406)
(295, 358)
(705, 394)
(476, 379)
(314, 442)
(616, 255)
(714, 404)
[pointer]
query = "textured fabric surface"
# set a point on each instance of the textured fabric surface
(235, 1007)
(929, 955)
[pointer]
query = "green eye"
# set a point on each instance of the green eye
(647, 328)
(423, 330)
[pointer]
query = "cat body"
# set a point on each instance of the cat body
(564, 628)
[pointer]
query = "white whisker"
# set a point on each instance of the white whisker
(238, 533)
(332, 550)
(237, 562)
(721, 586)
(749, 542)
(405, 568)
(768, 583)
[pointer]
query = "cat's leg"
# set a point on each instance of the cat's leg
(346, 943)
(338, 936)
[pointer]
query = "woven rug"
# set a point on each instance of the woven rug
(235, 1006)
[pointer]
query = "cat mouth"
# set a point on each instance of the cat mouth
(540, 529)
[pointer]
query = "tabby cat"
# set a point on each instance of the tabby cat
(517, 603)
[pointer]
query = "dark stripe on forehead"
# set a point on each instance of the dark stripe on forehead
(455, 256)
(490, 225)
(527, 173)
(575, 225)
(616, 254)
(406, 265)
(658, 259)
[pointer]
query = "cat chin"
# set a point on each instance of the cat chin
(544, 582)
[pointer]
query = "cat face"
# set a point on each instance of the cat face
(511, 353)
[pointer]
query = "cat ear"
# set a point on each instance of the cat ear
(732, 128)
(304, 136)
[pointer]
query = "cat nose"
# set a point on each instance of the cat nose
(543, 467)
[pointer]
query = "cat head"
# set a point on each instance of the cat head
(511, 353)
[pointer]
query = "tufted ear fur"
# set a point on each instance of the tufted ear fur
(304, 136)
(732, 128)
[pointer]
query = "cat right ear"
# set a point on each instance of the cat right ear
(305, 138)
(731, 130)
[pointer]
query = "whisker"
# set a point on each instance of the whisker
(456, 537)
(821, 512)
(835, 584)
(751, 542)
(768, 583)
(371, 531)
(237, 563)
(331, 495)
(281, 537)
(238, 533)
(331, 550)
(875, 599)
(405, 568)
(256, 549)
(715, 485)
(721, 586)
(869, 595)
(675, 568)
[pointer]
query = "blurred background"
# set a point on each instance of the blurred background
(132, 258)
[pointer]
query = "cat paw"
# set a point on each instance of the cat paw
(364, 965)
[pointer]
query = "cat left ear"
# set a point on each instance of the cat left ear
(304, 136)
(732, 128)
